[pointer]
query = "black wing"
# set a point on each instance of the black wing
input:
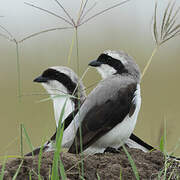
(101, 119)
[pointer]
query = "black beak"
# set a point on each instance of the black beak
(95, 63)
(41, 79)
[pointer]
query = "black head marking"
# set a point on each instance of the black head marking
(64, 79)
(115, 63)
(52, 74)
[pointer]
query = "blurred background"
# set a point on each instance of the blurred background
(128, 28)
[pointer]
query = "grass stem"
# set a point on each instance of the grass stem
(149, 61)
(18, 70)
(21, 140)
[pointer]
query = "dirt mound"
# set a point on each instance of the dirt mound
(108, 166)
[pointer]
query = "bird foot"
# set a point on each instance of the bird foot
(111, 150)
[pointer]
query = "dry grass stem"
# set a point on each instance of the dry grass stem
(65, 11)
(44, 31)
(168, 28)
(103, 11)
(9, 36)
(82, 14)
(49, 12)
(87, 11)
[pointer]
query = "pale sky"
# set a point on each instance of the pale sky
(20, 18)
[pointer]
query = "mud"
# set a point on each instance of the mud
(107, 166)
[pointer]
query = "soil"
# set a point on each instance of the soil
(108, 166)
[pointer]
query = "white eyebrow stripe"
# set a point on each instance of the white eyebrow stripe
(115, 56)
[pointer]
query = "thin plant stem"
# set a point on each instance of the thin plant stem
(21, 139)
(101, 12)
(49, 12)
(84, 7)
(65, 11)
(2, 27)
(87, 11)
(77, 163)
(77, 50)
(71, 48)
(44, 31)
(90, 86)
(81, 80)
(81, 150)
(4, 36)
(80, 12)
(11, 156)
(18, 70)
(9, 144)
(149, 61)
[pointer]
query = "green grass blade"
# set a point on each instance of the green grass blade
(120, 174)
(132, 163)
(21, 139)
(3, 168)
(56, 159)
(30, 175)
(59, 136)
(28, 139)
(161, 146)
(15, 175)
(62, 171)
(98, 177)
(171, 175)
(56, 96)
(39, 161)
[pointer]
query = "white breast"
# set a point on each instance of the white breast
(120, 133)
(58, 103)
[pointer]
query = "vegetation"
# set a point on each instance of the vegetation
(163, 31)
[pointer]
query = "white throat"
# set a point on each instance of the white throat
(105, 70)
(58, 104)
(58, 95)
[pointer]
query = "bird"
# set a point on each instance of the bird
(108, 116)
(47, 78)
(63, 85)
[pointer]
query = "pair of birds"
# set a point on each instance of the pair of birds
(107, 116)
